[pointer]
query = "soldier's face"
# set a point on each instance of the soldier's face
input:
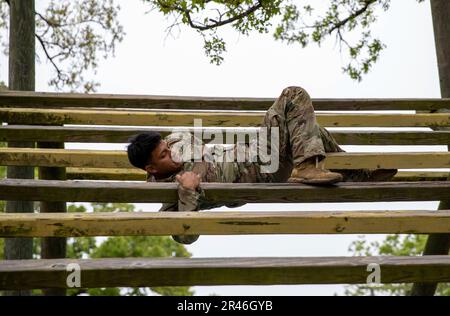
(162, 163)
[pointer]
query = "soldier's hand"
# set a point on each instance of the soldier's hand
(189, 180)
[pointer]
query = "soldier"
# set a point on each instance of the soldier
(302, 145)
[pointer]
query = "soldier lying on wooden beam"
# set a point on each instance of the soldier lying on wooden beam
(297, 146)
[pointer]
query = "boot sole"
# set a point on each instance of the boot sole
(319, 182)
(385, 175)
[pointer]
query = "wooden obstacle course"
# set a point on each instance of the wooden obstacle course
(238, 115)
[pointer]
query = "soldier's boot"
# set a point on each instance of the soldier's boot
(366, 175)
(309, 172)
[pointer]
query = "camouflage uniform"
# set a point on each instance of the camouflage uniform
(300, 137)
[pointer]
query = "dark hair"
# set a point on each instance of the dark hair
(141, 147)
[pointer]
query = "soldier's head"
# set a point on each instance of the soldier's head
(149, 152)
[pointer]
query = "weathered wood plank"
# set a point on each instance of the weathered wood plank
(421, 176)
(50, 100)
(391, 138)
(388, 160)
(140, 175)
(122, 135)
(119, 159)
(106, 191)
(122, 174)
(211, 118)
(223, 223)
(145, 272)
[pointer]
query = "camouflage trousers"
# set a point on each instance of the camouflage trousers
(300, 137)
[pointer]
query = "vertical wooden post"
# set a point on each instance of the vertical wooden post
(441, 25)
(52, 247)
(439, 244)
(21, 77)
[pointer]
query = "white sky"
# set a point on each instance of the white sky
(257, 66)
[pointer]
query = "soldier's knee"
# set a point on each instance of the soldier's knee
(185, 239)
(295, 91)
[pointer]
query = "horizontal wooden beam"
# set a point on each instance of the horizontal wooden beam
(119, 159)
(223, 223)
(51, 100)
(421, 176)
(394, 160)
(135, 174)
(138, 192)
(122, 135)
(209, 118)
(119, 174)
(149, 272)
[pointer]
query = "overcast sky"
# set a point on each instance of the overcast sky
(257, 66)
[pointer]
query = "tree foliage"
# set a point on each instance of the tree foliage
(290, 21)
(392, 245)
(71, 35)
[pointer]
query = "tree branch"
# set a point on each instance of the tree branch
(41, 41)
(355, 14)
(53, 24)
(217, 24)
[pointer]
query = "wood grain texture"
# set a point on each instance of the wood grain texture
(90, 134)
(107, 191)
(209, 118)
(51, 100)
(119, 159)
(124, 174)
(223, 223)
(145, 272)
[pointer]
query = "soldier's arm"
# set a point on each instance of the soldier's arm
(190, 194)
(188, 200)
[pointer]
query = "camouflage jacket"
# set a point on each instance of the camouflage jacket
(210, 170)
